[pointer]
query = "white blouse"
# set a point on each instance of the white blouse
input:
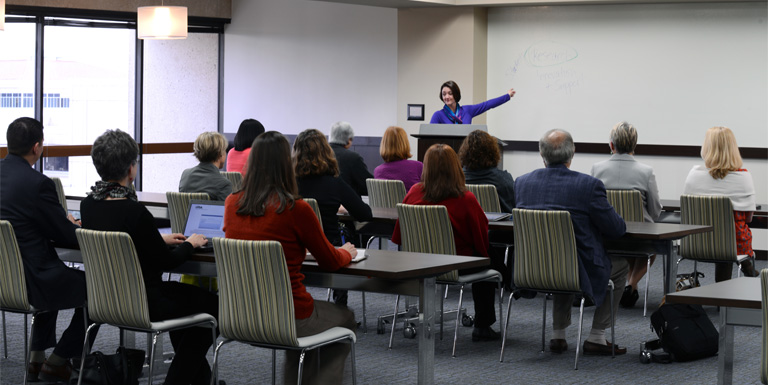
(736, 185)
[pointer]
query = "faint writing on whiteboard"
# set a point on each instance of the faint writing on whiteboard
(549, 53)
(560, 79)
(511, 71)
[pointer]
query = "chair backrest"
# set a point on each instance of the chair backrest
(255, 296)
(764, 356)
(13, 285)
(235, 177)
(385, 193)
(545, 250)
(427, 229)
(60, 192)
(627, 203)
(316, 208)
(487, 196)
(716, 211)
(178, 208)
(115, 286)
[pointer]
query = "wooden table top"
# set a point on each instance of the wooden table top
(392, 264)
(743, 292)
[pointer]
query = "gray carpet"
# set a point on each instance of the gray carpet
(476, 363)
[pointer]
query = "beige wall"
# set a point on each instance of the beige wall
(200, 8)
(435, 45)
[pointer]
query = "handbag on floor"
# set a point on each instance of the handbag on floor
(685, 332)
(108, 369)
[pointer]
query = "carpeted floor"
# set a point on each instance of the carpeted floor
(478, 362)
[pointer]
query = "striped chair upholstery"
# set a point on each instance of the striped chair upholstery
(256, 301)
(13, 287)
(487, 196)
(546, 260)
(116, 291)
(629, 205)
(764, 355)
(178, 208)
(385, 193)
(316, 208)
(427, 229)
(235, 177)
(716, 246)
(60, 192)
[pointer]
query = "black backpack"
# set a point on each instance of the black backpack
(685, 332)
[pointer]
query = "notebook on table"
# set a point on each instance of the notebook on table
(495, 217)
(206, 218)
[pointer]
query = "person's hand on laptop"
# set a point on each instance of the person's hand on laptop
(174, 239)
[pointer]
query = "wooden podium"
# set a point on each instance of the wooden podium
(450, 134)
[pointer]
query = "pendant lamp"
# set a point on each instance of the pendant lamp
(161, 22)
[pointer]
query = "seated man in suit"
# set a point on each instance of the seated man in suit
(352, 167)
(556, 187)
(29, 201)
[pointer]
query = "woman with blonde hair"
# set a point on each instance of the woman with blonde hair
(722, 174)
(395, 149)
(211, 150)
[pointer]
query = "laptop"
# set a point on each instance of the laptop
(496, 217)
(206, 218)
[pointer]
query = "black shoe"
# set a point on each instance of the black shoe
(33, 371)
(485, 334)
(587, 302)
(340, 297)
(629, 298)
(593, 349)
(748, 270)
(558, 346)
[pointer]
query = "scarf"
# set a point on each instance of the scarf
(454, 118)
(104, 189)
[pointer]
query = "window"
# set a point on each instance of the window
(17, 74)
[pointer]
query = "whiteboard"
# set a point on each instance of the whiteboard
(672, 70)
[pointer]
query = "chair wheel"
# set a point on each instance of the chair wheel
(410, 331)
(467, 320)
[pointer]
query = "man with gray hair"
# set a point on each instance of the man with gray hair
(352, 167)
(556, 187)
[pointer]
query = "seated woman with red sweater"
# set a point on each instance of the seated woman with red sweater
(269, 208)
(443, 184)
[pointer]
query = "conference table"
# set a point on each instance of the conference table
(640, 236)
(740, 302)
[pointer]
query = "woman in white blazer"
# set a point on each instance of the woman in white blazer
(623, 172)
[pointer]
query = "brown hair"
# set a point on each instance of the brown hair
(394, 145)
(312, 155)
(270, 178)
(454, 90)
(442, 177)
(720, 152)
(479, 151)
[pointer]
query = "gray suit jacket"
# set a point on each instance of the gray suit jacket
(205, 178)
(623, 172)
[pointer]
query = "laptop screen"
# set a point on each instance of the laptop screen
(205, 217)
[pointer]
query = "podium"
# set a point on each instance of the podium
(450, 134)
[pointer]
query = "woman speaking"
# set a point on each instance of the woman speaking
(453, 113)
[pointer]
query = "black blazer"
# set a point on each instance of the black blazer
(352, 168)
(29, 201)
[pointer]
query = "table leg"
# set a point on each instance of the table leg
(428, 299)
(670, 268)
(725, 349)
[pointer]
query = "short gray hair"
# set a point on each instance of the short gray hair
(113, 153)
(341, 133)
(558, 149)
(624, 138)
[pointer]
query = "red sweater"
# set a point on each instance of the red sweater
(469, 223)
(297, 230)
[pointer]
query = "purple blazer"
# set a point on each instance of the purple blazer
(466, 113)
(558, 188)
